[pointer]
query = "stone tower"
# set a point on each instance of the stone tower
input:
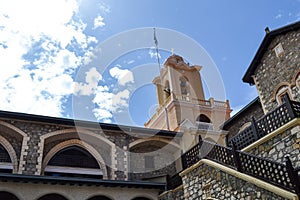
(181, 100)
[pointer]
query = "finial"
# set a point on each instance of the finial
(172, 49)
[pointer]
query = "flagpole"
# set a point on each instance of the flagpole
(161, 81)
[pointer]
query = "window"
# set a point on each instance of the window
(280, 93)
(280, 96)
(149, 162)
(203, 118)
(279, 50)
(184, 86)
(73, 161)
(5, 161)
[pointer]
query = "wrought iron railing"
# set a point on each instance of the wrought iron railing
(278, 117)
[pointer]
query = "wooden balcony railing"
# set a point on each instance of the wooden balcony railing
(281, 175)
(268, 123)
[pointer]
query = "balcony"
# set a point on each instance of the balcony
(268, 123)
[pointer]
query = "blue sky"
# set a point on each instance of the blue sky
(52, 52)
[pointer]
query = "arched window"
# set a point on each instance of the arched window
(184, 86)
(8, 196)
(203, 118)
(204, 123)
(5, 161)
(73, 161)
(281, 92)
(52, 197)
(99, 197)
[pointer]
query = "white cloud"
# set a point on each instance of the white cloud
(98, 22)
(123, 76)
(36, 66)
(104, 7)
(120, 100)
(92, 79)
(109, 103)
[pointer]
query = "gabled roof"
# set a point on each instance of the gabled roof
(264, 46)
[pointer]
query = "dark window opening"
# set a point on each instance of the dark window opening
(4, 156)
(73, 162)
(203, 118)
(100, 198)
(74, 157)
(184, 86)
(8, 196)
(52, 197)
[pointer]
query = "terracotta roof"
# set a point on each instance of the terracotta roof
(264, 46)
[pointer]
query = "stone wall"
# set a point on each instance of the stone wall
(205, 181)
(295, 89)
(37, 140)
(176, 194)
(273, 70)
(282, 145)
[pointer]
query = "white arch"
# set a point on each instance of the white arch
(81, 144)
(12, 153)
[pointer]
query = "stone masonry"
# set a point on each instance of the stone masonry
(206, 182)
(33, 141)
(273, 71)
(282, 145)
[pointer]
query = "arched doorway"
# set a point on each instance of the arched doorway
(99, 197)
(73, 161)
(52, 197)
(8, 196)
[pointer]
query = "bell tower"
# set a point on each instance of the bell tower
(178, 78)
(181, 99)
